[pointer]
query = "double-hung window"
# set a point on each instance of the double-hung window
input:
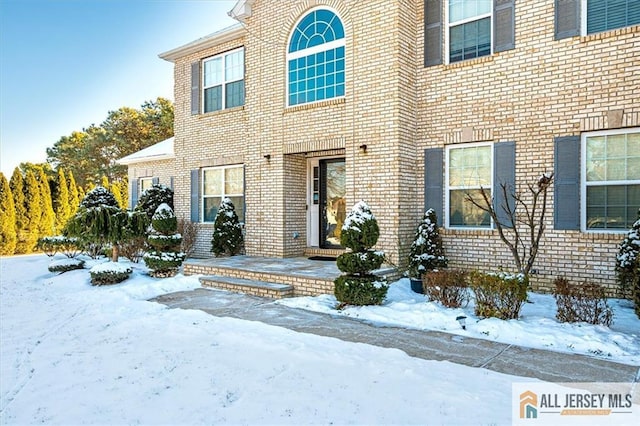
(469, 29)
(469, 171)
(218, 183)
(223, 81)
(316, 59)
(605, 15)
(611, 179)
(145, 183)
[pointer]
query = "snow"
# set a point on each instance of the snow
(536, 328)
(115, 267)
(163, 210)
(73, 353)
(359, 214)
(65, 261)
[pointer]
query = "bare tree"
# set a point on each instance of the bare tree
(521, 233)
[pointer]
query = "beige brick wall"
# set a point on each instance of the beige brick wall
(540, 90)
(164, 170)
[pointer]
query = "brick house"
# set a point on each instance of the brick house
(305, 107)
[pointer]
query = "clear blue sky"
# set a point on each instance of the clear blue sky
(64, 64)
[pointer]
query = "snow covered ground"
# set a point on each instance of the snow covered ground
(536, 328)
(71, 353)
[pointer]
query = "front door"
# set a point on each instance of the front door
(326, 202)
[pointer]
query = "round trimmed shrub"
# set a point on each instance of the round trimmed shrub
(361, 290)
(361, 262)
(360, 229)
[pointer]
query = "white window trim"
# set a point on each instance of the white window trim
(583, 178)
(144, 179)
(203, 196)
(224, 81)
(447, 188)
(313, 50)
(463, 21)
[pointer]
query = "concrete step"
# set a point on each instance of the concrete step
(247, 286)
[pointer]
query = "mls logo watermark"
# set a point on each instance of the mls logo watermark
(541, 403)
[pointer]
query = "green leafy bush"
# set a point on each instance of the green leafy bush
(361, 262)
(449, 287)
(227, 231)
(360, 290)
(66, 265)
(584, 302)
(59, 244)
(359, 286)
(498, 295)
(109, 273)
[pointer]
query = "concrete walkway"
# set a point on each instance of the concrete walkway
(430, 345)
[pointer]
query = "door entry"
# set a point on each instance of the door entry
(327, 203)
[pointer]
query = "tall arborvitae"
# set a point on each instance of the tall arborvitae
(16, 184)
(74, 194)
(61, 203)
(116, 190)
(28, 225)
(8, 235)
(47, 223)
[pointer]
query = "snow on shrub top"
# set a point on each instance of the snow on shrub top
(162, 212)
(359, 213)
(111, 267)
(99, 197)
(360, 230)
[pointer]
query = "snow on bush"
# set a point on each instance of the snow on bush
(628, 264)
(427, 252)
(109, 273)
(65, 265)
(165, 258)
(227, 231)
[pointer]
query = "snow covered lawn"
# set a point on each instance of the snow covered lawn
(536, 328)
(72, 353)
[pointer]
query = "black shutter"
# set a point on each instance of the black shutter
(567, 18)
(171, 182)
(134, 194)
(504, 173)
(155, 181)
(195, 195)
(195, 88)
(433, 179)
(504, 32)
(432, 32)
(566, 192)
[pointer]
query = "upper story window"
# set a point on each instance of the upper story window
(469, 29)
(223, 81)
(469, 170)
(604, 15)
(611, 179)
(315, 58)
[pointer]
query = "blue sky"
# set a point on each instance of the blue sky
(64, 64)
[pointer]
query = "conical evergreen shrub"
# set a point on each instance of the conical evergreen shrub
(8, 236)
(165, 257)
(359, 286)
(74, 194)
(153, 197)
(427, 252)
(628, 264)
(227, 231)
(61, 202)
(28, 224)
(46, 226)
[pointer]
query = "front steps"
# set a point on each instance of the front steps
(252, 287)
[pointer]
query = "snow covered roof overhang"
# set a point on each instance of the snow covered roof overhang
(241, 10)
(222, 36)
(160, 151)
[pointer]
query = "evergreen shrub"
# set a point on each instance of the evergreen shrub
(447, 286)
(427, 251)
(153, 197)
(498, 295)
(68, 246)
(628, 265)
(109, 273)
(584, 302)
(359, 286)
(66, 265)
(227, 232)
(165, 257)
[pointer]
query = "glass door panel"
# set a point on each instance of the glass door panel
(333, 201)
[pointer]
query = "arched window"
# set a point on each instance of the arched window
(315, 58)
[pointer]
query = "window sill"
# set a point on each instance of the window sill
(468, 231)
(470, 62)
(220, 112)
(319, 104)
(610, 33)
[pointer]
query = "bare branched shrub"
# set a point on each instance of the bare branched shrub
(189, 232)
(520, 232)
(133, 249)
(449, 287)
(584, 302)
